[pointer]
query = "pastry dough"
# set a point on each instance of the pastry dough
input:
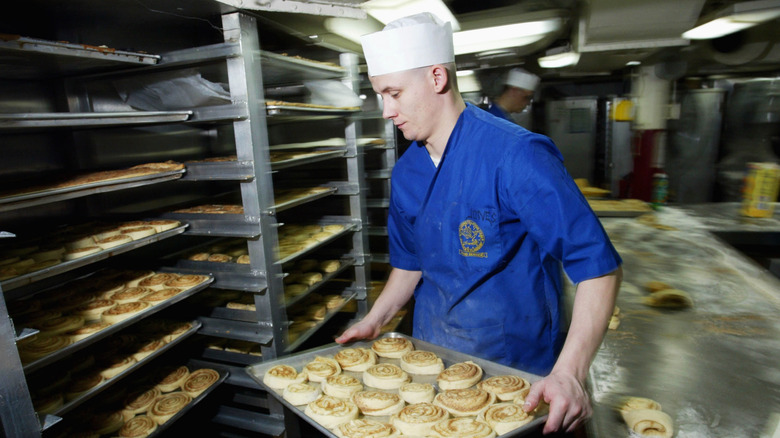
(422, 362)
(417, 392)
(186, 281)
(355, 359)
(107, 422)
(299, 394)
(329, 266)
(418, 419)
(78, 253)
(506, 387)
(504, 417)
(462, 428)
(459, 376)
(121, 312)
(61, 325)
(130, 294)
(366, 428)
(82, 384)
(117, 365)
(341, 386)
(49, 404)
(161, 295)
(393, 348)
(331, 411)
(279, 376)
(138, 426)
(632, 403)
(161, 225)
(157, 281)
(92, 310)
(655, 286)
(670, 298)
(174, 329)
(140, 401)
(172, 378)
(385, 376)
(41, 347)
(167, 405)
(148, 348)
(87, 330)
(113, 241)
(139, 232)
(199, 381)
(378, 403)
(321, 368)
(649, 422)
(464, 402)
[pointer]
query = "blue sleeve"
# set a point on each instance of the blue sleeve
(537, 189)
(400, 230)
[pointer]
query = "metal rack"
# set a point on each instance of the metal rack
(247, 120)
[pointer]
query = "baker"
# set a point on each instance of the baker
(516, 94)
(482, 216)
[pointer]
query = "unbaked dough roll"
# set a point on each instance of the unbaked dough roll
(503, 417)
(121, 312)
(279, 376)
(633, 403)
(161, 225)
(167, 405)
(418, 419)
(459, 376)
(161, 295)
(463, 427)
(506, 387)
(649, 422)
(78, 253)
(172, 378)
(133, 278)
(116, 365)
(147, 348)
(366, 428)
(82, 384)
(393, 348)
(670, 298)
(321, 368)
(113, 241)
(130, 294)
(299, 394)
(467, 402)
(104, 423)
(140, 401)
(157, 281)
(61, 325)
(139, 232)
(87, 330)
(355, 359)
(417, 392)
(92, 310)
(341, 386)
(385, 376)
(422, 362)
(41, 347)
(199, 381)
(328, 266)
(331, 411)
(138, 426)
(186, 281)
(48, 404)
(378, 403)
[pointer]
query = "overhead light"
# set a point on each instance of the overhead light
(389, 10)
(499, 37)
(467, 81)
(351, 29)
(633, 63)
(734, 18)
(559, 57)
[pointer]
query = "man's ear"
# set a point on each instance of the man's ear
(440, 77)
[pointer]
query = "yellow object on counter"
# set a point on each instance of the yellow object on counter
(760, 188)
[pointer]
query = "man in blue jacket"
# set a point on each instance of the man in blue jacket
(516, 94)
(483, 215)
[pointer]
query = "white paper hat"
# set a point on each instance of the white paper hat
(415, 41)
(517, 77)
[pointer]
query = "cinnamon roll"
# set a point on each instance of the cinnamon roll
(219, 258)
(139, 232)
(138, 426)
(92, 310)
(106, 422)
(48, 404)
(506, 388)
(157, 281)
(418, 419)
(133, 278)
(73, 254)
(366, 428)
(113, 241)
(140, 401)
(385, 376)
(417, 392)
(41, 347)
(186, 281)
(503, 417)
(328, 266)
(355, 359)
(168, 405)
(462, 427)
(649, 422)
(61, 325)
(393, 348)
(378, 403)
(331, 411)
(161, 225)
(123, 311)
(633, 403)
(161, 295)
(130, 294)
(321, 368)
(199, 381)
(87, 330)
(421, 362)
(300, 393)
(116, 365)
(341, 386)
(82, 384)
(467, 402)
(459, 376)
(171, 378)
(279, 376)
(175, 329)
(147, 348)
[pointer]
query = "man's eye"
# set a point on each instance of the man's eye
(395, 94)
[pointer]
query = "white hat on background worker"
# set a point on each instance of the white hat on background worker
(517, 77)
(410, 42)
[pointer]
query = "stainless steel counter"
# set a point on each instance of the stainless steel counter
(714, 367)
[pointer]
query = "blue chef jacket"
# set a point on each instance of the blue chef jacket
(489, 229)
(499, 112)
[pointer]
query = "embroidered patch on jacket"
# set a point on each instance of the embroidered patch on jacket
(471, 239)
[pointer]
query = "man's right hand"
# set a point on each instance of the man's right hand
(360, 330)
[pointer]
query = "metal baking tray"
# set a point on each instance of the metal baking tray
(307, 334)
(302, 200)
(215, 224)
(299, 161)
(281, 69)
(80, 345)
(69, 265)
(89, 120)
(449, 357)
(347, 228)
(219, 171)
(345, 263)
(49, 196)
(108, 383)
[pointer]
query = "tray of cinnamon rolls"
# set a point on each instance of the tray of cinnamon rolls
(397, 386)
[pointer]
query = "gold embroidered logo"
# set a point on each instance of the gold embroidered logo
(471, 239)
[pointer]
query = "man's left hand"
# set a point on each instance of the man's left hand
(569, 402)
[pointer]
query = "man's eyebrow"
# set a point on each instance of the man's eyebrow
(389, 88)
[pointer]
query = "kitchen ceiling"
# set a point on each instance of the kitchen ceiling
(607, 33)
